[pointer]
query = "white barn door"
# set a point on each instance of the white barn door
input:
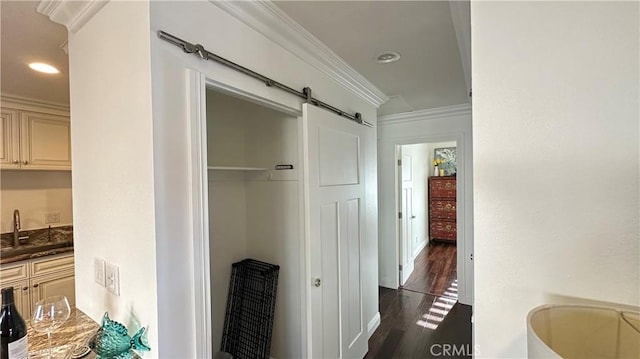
(335, 196)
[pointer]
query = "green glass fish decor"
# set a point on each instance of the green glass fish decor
(112, 340)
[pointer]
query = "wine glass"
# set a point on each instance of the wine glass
(49, 314)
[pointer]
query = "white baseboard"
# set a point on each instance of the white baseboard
(387, 283)
(419, 248)
(374, 323)
(407, 270)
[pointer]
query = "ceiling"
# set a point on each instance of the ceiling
(26, 37)
(428, 75)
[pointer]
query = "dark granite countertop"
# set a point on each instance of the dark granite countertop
(41, 242)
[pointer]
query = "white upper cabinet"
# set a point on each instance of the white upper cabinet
(34, 137)
(45, 141)
(9, 149)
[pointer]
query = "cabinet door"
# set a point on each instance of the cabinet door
(45, 141)
(9, 135)
(61, 283)
(50, 265)
(21, 297)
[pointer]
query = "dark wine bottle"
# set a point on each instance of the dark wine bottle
(13, 330)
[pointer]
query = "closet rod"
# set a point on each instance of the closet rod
(199, 50)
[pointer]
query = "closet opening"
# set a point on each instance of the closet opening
(255, 197)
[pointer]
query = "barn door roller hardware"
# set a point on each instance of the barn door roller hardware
(200, 51)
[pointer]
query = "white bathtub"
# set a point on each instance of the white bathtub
(581, 332)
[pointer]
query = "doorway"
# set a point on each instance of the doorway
(427, 227)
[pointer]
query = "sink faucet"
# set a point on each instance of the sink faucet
(16, 228)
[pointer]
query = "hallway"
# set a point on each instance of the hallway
(415, 325)
(434, 271)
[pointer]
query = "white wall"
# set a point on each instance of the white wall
(556, 100)
(437, 125)
(274, 237)
(34, 194)
(207, 24)
(113, 183)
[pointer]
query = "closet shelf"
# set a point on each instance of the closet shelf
(233, 168)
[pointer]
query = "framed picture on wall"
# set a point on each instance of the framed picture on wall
(448, 157)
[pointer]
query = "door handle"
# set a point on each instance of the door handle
(413, 217)
(317, 282)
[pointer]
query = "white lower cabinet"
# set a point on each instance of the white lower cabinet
(21, 297)
(39, 278)
(62, 283)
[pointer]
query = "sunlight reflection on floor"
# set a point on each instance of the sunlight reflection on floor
(440, 308)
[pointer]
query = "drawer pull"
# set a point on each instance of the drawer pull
(36, 285)
(25, 288)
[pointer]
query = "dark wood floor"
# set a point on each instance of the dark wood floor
(435, 271)
(416, 325)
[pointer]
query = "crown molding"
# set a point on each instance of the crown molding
(21, 101)
(65, 46)
(426, 115)
(269, 20)
(72, 14)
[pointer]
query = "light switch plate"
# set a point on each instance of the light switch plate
(99, 269)
(113, 279)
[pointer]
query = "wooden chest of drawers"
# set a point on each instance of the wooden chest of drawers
(442, 209)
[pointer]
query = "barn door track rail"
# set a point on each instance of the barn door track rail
(200, 51)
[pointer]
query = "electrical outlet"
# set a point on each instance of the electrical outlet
(52, 217)
(113, 279)
(99, 271)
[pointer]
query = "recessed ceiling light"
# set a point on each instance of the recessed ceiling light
(42, 67)
(388, 57)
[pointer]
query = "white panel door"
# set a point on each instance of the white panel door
(406, 246)
(335, 195)
(406, 222)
